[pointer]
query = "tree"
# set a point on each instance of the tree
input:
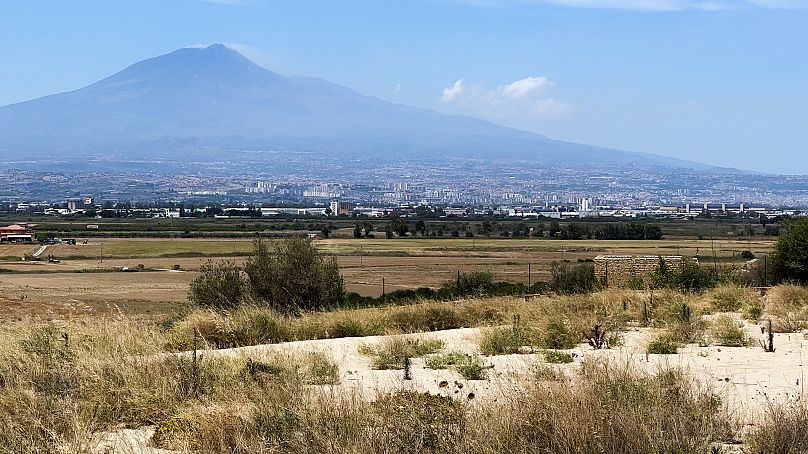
(420, 227)
(399, 226)
(790, 256)
(295, 278)
(219, 285)
(554, 229)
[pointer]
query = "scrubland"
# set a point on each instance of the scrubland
(485, 375)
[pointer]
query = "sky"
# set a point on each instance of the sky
(716, 81)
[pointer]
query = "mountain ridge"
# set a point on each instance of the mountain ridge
(214, 98)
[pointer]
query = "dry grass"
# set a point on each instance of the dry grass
(538, 320)
(607, 408)
(730, 298)
(113, 373)
(785, 429)
(787, 304)
(728, 332)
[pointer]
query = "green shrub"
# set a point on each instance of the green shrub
(753, 310)
(294, 277)
(727, 332)
(472, 368)
(729, 298)
(557, 357)
(558, 335)
(663, 344)
(346, 327)
(469, 366)
(503, 340)
(576, 279)
(218, 285)
(393, 353)
(444, 360)
(414, 319)
(790, 256)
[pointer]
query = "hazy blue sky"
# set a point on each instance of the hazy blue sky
(718, 81)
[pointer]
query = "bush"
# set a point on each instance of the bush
(790, 255)
(558, 335)
(393, 353)
(470, 367)
(578, 279)
(503, 340)
(295, 278)
(219, 285)
(557, 357)
(788, 305)
(663, 344)
(784, 429)
(727, 332)
(729, 298)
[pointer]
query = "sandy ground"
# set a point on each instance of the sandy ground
(746, 378)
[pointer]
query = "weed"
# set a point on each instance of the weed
(663, 344)
(393, 353)
(557, 357)
(729, 333)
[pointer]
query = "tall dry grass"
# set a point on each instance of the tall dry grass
(61, 383)
(612, 309)
(787, 305)
(606, 408)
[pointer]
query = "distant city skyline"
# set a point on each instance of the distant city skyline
(717, 82)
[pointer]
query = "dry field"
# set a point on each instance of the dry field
(47, 288)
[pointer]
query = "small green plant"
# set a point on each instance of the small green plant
(393, 354)
(472, 368)
(503, 341)
(663, 344)
(557, 357)
(728, 332)
(558, 335)
(469, 366)
(753, 310)
(444, 360)
(543, 372)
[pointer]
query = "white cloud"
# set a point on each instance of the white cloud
(453, 92)
(517, 103)
(397, 88)
(649, 5)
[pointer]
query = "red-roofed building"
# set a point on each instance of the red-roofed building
(16, 233)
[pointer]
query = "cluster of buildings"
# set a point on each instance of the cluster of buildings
(17, 233)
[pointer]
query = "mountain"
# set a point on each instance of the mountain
(208, 101)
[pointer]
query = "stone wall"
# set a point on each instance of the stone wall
(618, 270)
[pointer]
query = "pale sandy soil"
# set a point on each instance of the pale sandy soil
(746, 378)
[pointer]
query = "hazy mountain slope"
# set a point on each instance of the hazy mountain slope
(215, 99)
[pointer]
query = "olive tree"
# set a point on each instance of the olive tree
(294, 276)
(219, 285)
